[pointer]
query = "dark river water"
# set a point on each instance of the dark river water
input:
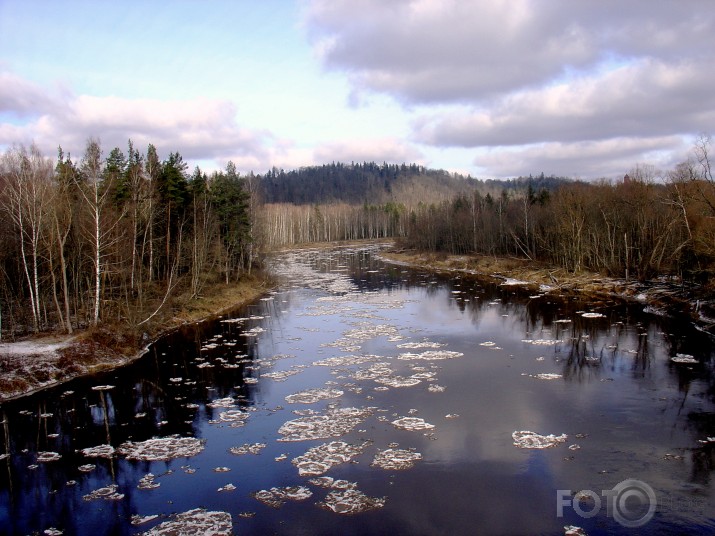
(366, 398)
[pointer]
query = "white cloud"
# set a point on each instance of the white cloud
(610, 158)
(200, 129)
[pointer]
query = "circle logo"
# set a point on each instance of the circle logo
(632, 503)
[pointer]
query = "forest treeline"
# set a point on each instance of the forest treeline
(113, 237)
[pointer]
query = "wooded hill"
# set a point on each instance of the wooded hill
(115, 238)
(372, 183)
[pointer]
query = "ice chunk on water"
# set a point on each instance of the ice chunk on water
(431, 355)
(330, 483)
(399, 381)
(334, 423)
(319, 459)
(276, 497)
(592, 315)
(573, 530)
(309, 396)
(423, 344)
(234, 417)
(248, 448)
(196, 521)
(395, 459)
(227, 402)
(140, 520)
(684, 358)
(164, 448)
(412, 424)
(44, 457)
(100, 451)
(108, 493)
(102, 387)
(532, 440)
(545, 376)
(147, 482)
(351, 501)
(541, 342)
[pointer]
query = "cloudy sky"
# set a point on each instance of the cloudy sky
(495, 88)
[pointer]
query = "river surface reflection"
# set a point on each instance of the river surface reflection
(367, 398)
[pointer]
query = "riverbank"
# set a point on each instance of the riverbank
(664, 296)
(37, 363)
(44, 361)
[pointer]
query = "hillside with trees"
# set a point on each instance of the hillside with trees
(115, 238)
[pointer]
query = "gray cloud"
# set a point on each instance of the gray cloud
(649, 98)
(533, 80)
(454, 51)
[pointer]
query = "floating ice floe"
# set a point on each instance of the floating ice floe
(423, 344)
(395, 459)
(563, 321)
(532, 440)
(510, 282)
(345, 361)
(102, 387)
(592, 315)
(545, 376)
(317, 460)
(541, 342)
(108, 493)
(434, 388)
(52, 531)
(309, 396)
(412, 424)
(140, 520)
(100, 451)
(87, 468)
(164, 448)
(234, 417)
(44, 457)
(335, 423)
(227, 402)
(573, 530)
(147, 482)
(431, 355)
(283, 375)
(277, 497)
(329, 482)
(227, 487)
(351, 501)
(707, 440)
(399, 381)
(684, 358)
(196, 521)
(247, 448)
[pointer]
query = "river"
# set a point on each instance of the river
(367, 398)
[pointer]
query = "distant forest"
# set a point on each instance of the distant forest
(371, 182)
(114, 237)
